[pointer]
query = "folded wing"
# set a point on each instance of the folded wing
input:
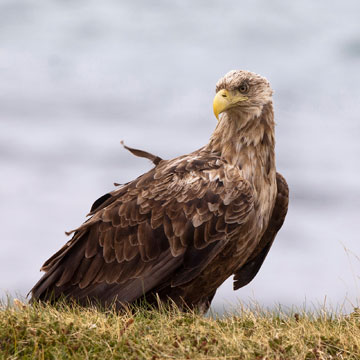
(164, 227)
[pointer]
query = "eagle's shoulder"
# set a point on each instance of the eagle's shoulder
(182, 178)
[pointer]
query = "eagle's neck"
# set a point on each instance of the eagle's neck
(246, 140)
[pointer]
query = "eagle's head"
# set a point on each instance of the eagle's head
(242, 91)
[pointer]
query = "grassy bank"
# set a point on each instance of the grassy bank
(66, 332)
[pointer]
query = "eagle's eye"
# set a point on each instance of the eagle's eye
(244, 88)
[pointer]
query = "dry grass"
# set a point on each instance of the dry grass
(63, 332)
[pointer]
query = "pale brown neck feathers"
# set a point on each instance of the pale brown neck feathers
(246, 140)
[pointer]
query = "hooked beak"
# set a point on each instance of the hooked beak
(225, 99)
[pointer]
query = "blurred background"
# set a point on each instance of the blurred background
(76, 77)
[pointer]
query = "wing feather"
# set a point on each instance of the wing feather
(92, 244)
(93, 269)
(78, 272)
(169, 223)
(249, 270)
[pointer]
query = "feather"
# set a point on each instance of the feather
(92, 245)
(92, 271)
(141, 153)
(80, 271)
(179, 224)
(130, 251)
(108, 245)
(119, 250)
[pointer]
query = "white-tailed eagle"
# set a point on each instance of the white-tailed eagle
(181, 229)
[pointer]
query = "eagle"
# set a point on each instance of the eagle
(178, 231)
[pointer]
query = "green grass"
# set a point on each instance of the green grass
(63, 332)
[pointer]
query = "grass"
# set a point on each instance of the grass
(70, 331)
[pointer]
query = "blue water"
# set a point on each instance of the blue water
(77, 77)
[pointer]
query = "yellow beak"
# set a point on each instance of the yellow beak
(225, 99)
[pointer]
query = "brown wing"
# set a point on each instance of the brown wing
(165, 226)
(249, 270)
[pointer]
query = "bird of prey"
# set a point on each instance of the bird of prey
(180, 230)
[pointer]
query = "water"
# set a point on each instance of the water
(77, 77)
